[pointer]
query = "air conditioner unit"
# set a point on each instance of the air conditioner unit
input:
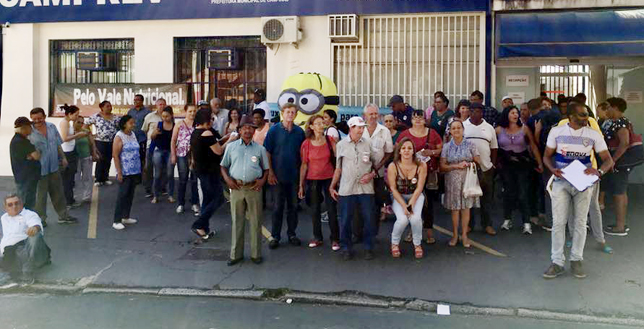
(285, 29)
(344, 28)
(98, 61)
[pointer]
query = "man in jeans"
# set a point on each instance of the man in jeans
(574, 141)
(45, 137)
(482, 135)
(245, 170)
(150, 124)
(139, 112)
(282, 143)
(355, 172)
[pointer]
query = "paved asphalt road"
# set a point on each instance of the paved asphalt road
(158, 252)
(137, 312)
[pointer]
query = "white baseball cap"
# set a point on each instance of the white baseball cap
(356, 122)
(506, 97)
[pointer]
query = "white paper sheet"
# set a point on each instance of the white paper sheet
(442, 309)
(574, 174)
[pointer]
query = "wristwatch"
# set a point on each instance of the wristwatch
(601, 172)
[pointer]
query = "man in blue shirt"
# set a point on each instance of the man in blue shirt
(401, 111)
(283, 143)
(245, 170)
(139, 112)
(47, 140)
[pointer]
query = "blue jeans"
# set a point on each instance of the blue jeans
(212, 199)
(365, 204)
(185, 175)
(163, 172)
(286, 193)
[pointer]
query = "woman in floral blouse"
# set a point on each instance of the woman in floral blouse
(106, 125)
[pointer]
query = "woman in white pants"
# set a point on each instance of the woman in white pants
(406, 176)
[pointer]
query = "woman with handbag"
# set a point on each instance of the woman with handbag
(516, 165)
(406, 176)
(627, 152)
(316, 172)
(457, 156)
(180, 156)
(428, 145)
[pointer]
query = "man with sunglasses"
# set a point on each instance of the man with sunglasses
(567, 143)
(22, 247)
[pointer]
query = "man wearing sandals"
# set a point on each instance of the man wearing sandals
(355, 172)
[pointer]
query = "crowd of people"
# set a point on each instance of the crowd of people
(351, 177)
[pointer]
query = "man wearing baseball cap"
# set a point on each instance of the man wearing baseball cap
(401, 111)
(25, 162)
(355, 172)
(259, 98)
(506, 102)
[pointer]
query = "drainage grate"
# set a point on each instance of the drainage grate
(206, 254)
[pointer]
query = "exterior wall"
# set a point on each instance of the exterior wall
(503, 5)
(26, 57)
(502, 89)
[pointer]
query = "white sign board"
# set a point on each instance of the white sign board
(633, 97)
(517, 97)
(517, 81)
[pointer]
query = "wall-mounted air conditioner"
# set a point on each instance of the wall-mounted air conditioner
(284, 29)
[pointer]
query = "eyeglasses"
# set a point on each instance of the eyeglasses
(12, 204)
(582, 114)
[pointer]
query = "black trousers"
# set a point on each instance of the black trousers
(68, 175)
(318, 192)
(125, 197)
(27, 255)
(286, 195)
(102, 171)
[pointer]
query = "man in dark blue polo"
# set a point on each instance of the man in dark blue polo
(401, 111)
(282, 145)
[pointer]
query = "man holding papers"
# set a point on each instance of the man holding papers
(568, 143)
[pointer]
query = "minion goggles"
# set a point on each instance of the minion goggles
(308, 101)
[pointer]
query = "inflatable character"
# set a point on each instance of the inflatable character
(312, 93)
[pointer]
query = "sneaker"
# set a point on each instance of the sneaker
(118, 226)
(626, 228)
(148, 194)
(164, 193)
(68, 220)
(527, 229)
(171, 199)
(273, 244)
(108, 183)
(546, 227)
(154, 200)
(179, 210)
(507, 225)
(99, 184)
(87, 200)
(129, 221)
(195, 210)
(553, 271)
(315, 243)
(612, 231)
(577, 271)
(335, 246)
(295, 241)
(76, 204)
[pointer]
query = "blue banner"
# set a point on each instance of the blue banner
(39, 11)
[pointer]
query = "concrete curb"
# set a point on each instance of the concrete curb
(343, 298)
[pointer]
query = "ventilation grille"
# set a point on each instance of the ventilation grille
(273, 29)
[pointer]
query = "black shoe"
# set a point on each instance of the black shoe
(294, 241)
(273, 244)
(356, 240)
(368, 255)
(232, 262)
(346, 255)
(257, 260)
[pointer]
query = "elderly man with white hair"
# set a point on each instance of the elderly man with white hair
(22, 247)
(219, 115)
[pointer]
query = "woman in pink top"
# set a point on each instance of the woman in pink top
(262, 126)
(318, 165)
(179, 155)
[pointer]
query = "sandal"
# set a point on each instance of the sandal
(452, 244)
(395, 251)
(466, 245)
(196, 231)
(418, 252)
(430, 240)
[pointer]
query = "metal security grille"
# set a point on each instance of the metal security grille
(568, 80)
(64, 65)
(233, 86)
(412, 56)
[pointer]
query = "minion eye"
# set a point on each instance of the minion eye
(287, 97)
(311, 102)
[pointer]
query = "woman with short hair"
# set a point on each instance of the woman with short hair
(163, 167)
(127, 161)
(106, 125)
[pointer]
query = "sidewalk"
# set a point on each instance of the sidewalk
(158, 252)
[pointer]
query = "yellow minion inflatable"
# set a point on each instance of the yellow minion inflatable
(312, 93)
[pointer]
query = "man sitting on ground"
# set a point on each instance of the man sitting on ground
(22, 246)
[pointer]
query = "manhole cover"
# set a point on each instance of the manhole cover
(206, 254)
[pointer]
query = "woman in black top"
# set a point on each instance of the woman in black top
(163, 167)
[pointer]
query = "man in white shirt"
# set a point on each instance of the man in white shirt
(382, 147)
(150, 124)
(219, 116)
(22, 247)
(483, 136)
(259, 98)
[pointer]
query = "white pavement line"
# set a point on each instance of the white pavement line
(341, 300)
(473, 243)
(121, 291)
(93, 214)
(246, 294)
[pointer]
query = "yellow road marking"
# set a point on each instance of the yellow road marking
(93, 214)
(472, 242)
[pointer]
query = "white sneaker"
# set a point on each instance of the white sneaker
(527, 228)
(99, 184)
(195, 208)
(108, 182)
(118, 226)
(154, 200)
(128, 221)
(507, 225)
(179, 210)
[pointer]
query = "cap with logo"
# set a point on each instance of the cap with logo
(202, 102)
(356, 122)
